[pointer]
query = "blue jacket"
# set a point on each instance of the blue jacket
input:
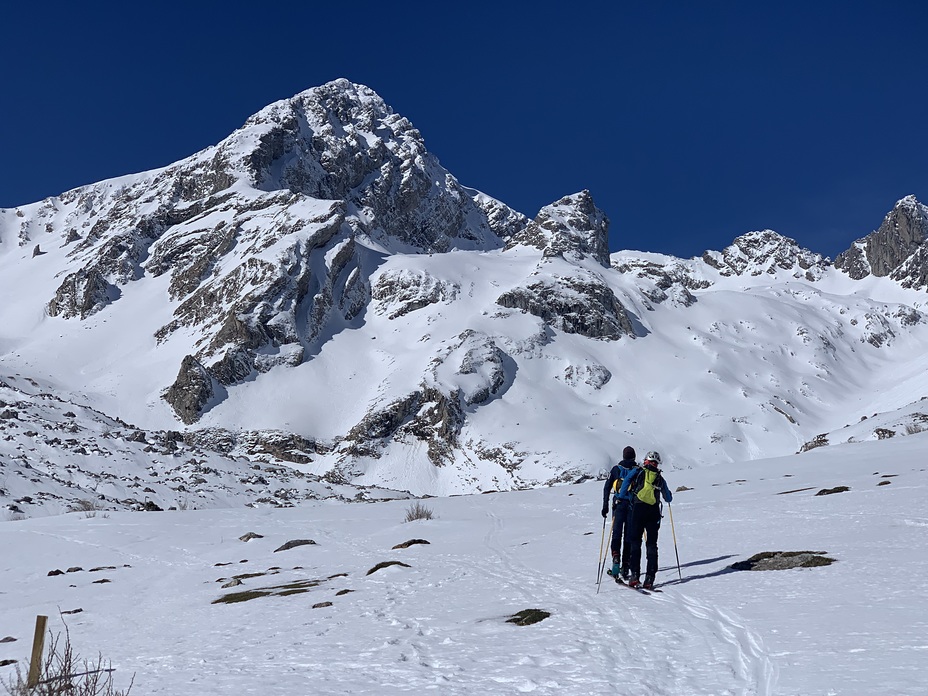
(617, 475)
(626, 482)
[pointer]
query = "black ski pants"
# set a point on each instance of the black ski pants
(620, 532)
(643, 519)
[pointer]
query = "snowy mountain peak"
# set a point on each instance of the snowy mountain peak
(911, 203)
(340, 104)
(766, 251)
(340, 141)
(572, 226)
(898, 249)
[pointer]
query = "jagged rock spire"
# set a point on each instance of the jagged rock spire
(896, 249)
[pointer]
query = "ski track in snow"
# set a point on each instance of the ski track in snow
(411, 649)
(734, 643)
(706, 647)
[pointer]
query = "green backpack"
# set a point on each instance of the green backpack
(646, 487)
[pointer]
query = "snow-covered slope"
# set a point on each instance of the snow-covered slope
(318, 279)
(60, 456)
(144, 586)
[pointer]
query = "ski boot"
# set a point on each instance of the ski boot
(648, 582)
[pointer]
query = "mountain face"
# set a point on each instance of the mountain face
(316, 292)
(898, 249)
(258, 235)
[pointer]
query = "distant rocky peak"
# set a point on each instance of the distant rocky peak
(341, 141)
(904, 229)
(765, 251)
(321, 142)
(895, 249)
(910, 205)
(572, 226)
(349, 103)
(339, 103)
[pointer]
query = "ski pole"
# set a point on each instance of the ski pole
(600, 559)
(673, 531)
(599, 580)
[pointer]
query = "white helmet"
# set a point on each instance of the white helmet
(653, 456)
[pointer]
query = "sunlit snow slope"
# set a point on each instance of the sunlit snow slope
(318, 622)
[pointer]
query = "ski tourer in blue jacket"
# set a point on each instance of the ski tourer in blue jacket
(620, 507)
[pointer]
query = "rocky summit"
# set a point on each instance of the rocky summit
(318, 295)
(898, 249)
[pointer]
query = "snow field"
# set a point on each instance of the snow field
(857, 626)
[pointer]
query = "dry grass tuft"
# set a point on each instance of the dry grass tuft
(418, 511)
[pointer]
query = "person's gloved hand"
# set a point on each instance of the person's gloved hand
(605, 512)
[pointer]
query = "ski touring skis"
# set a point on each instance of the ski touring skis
(639, 588)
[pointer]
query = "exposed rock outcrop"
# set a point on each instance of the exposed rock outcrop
(756, 253)
(427, 415)
(191, 391)
(899, 248)
(572, 227)
(473, 367)
(399, 292)
(293, 543)
(578, 301)
(81, 294)
(595, 376)
(579, 304)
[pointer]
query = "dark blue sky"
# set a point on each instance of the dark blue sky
(690, 122)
